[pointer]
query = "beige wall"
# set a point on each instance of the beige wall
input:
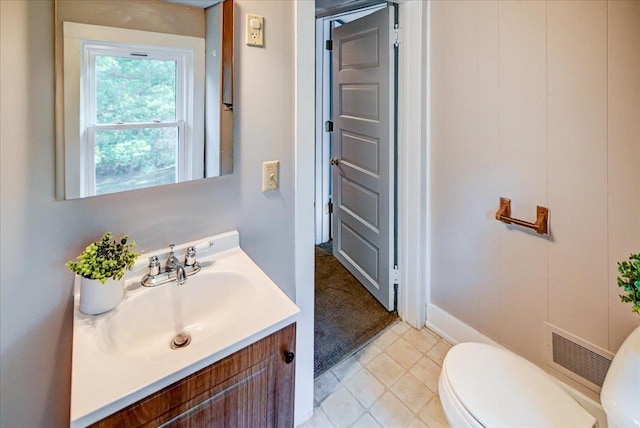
(144, 15)
(38, 234)
(538, 102)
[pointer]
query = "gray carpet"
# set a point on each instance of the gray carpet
(347, 316)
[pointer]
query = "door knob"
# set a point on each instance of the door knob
(334, 161)
(288, 357)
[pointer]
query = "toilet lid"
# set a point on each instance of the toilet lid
(501, 389)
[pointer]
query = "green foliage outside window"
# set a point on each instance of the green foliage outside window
(134, 158)
(133, 90)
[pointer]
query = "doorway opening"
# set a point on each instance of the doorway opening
(356, 152)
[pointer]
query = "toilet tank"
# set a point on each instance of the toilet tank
(620, 394)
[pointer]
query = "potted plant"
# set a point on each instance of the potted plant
(629, 281)
(101, 267)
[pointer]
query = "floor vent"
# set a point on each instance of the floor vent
(578, 359)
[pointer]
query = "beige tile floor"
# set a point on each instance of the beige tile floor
(392, 382)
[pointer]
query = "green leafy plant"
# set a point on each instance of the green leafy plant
(105, 259)
(629, 281)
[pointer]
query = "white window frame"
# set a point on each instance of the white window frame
(88, 115)
(76, 35)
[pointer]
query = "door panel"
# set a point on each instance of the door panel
(362, 179)
(360, 151)
(359, 252)
(359, 102)
(359, 50)
(360, 202)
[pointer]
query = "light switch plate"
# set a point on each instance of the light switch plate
(270, 172)
(255, 30)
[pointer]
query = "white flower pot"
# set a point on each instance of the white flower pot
(97, 298)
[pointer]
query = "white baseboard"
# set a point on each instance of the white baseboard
(455, 331)
(452, 329)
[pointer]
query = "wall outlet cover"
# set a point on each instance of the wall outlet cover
(255, 30)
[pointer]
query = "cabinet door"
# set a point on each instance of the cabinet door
(251, 388)
(245, 400)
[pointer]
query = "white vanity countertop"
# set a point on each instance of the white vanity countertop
(105, 378)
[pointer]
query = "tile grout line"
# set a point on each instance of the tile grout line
(387, 390)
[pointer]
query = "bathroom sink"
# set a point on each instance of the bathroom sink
(124, 355)
(145, 323)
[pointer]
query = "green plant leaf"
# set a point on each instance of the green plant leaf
(105, 259)
(629, 280)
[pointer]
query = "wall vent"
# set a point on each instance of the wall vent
(578, 359)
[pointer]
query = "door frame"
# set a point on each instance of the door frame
(414, 142)
(414, 194)
(413, 108)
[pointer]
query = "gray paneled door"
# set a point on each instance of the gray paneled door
(362, 154)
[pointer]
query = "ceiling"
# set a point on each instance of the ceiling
(333, 7)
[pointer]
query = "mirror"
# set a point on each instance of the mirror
(144, 93)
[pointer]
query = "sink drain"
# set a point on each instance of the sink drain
(180, 341)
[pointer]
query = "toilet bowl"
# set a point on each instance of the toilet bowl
(486, 386)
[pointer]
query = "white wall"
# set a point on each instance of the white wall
(538, 102)
(38, 234)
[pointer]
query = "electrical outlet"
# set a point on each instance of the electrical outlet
(270, 172)
(255, 30)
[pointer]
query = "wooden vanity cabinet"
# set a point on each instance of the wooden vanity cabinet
(251, 388)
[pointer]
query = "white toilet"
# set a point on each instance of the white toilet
(486, 386)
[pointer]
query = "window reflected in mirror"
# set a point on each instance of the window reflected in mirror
(135, 103)
(131, 101)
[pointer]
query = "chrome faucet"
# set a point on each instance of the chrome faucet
(174, 265)
(173, 269)
(181, 275)
(172, 262)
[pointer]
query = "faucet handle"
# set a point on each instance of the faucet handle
(172, 261)
(190, 256)
(154, 265)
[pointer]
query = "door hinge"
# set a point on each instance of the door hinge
(328, 45)
(395, 275)
(328, 126)
(330, 207)
(395, 298)
(397, 34)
